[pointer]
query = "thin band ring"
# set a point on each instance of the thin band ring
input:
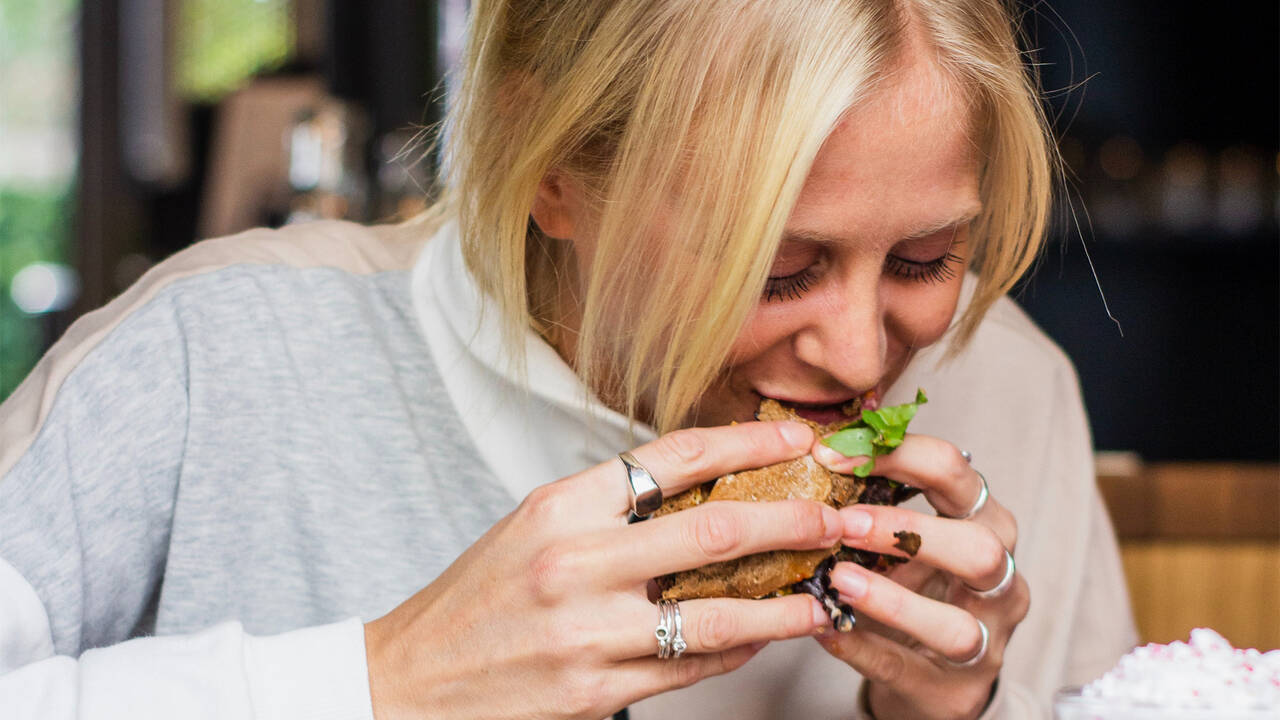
(670, 630)
(982, 650)
(1001, 587)
(646, 496)
(978, 504)
(968, 456)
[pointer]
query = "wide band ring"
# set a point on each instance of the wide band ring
(1002, 587)
(646, 496)
(978, 504)
(670, 630)
(982, 650)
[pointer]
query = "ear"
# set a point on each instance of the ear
(557, 207)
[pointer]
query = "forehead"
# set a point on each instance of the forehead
(902, 159)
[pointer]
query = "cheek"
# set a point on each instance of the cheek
(766, 328)
(918, 315)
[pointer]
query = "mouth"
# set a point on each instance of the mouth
(831, 411)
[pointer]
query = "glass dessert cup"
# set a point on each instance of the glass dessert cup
(1070, 704)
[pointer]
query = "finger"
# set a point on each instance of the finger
(894, 670)
(945, 629)
(684, 458)
(881, 660)
(932, 465)
(968, 550)
(716, 625)
(708, 533)
(645, 677)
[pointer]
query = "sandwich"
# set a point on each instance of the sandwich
(869, 432)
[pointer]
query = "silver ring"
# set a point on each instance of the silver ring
(968, 456)
(1001, 587)
(646, 496)
(670, 630)
(978, 504)
(978, 656)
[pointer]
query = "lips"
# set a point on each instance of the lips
(827, 412)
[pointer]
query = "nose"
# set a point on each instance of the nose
(847, 339)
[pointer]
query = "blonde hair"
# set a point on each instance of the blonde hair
(711, 111)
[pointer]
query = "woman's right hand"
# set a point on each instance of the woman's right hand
(547, 615)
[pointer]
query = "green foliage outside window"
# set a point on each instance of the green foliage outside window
(34, 227)
(222, 42)
(38, 99)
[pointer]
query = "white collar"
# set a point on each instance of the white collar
(527, 435)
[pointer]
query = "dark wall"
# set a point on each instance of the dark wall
(1183, 236)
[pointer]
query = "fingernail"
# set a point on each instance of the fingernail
(835, 460)
(857, 523)
(849, 582)
(797, 435)
(834, 525)
(820, 617)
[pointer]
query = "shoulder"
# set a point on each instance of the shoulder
(356, 249)
(1009, 391)
(231, 286)
(1009, 362)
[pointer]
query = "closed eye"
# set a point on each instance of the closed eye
(939, 269)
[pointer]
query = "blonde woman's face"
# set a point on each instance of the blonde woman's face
(871, 265)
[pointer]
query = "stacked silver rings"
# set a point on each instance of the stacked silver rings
(670, 630)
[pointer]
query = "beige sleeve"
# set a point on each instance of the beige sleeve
(1104, 628)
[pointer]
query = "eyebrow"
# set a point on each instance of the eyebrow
(967, 215)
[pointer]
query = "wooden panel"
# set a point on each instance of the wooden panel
(1232, 587)
(1215, 500)
(1184, 501)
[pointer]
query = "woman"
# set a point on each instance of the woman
(657, 213)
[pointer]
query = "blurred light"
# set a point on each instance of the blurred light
(44, 287)
(1184, 201)
(1241, 198)
(1121, 158)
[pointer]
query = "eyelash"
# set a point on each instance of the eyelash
(929, 271)
(791, 287)
(788, 287)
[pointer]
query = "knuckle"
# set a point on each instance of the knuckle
(687, 671)
(798, 620)
(886, 666)
(585, 693)
(544, 501)
(951, 461)
(716, 533)
(992, 554)
(683, 448)
(968, 700)
(893, 606)
(808, 522)
(965, 642)
(1021, 599)
(717, 629)
(954, 462)
(551, 573)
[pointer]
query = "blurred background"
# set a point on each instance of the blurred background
(131, 128)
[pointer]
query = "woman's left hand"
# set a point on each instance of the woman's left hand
(920, 674)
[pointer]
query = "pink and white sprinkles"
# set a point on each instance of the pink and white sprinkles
(1203, 673)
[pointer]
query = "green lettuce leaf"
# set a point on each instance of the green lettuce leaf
(876, 433)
